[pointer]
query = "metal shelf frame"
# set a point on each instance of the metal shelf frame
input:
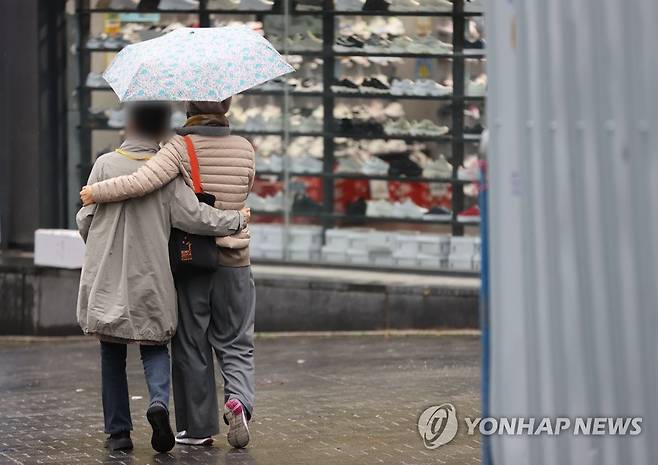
(330, 18)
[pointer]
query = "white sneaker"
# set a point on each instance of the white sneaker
(306, 164)
(223, 4)
(179, 5)
(429, 87)
(476, 88)
(438, 169)
(178, 119)
(349, 5)
(405, 5)
(182, 438)
(260, 5)
(124, 4)
(375, 166)
(436, 5)
(408, 209)
(473, 6)
(394, 110)
(116, 118)
(349, 164)
(427, 128)
(256, 202)
(431, 45)
(470, 171)
(95, 80)
(381, 208)
(401, 44)
(399, 127)
(402, 87)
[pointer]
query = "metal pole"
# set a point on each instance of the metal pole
(457, 111)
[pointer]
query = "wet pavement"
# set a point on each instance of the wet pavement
(320, 400)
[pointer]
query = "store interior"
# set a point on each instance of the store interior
(367, 156)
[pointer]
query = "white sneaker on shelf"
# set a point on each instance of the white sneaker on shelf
(429, 44)
(430, 87)
(473, 6)
(116, 118)
(178, 5)
(470, 171)
(402, 87)
(259, 5)
(223, 4)
(178, 119)
(276, 163)
(349, 164)
(255, 202)
(349, 5)
(427, 128)
(394, 110)
(436, 5)
(375, 166)
(95, 80)
(438, 169)
(305, 164)
(382, 208)
(476, 88)
(408, 209)
(405, 5)
(399, 127)
(401, 44)
(124, 4)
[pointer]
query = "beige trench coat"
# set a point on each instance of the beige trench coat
(126, 287)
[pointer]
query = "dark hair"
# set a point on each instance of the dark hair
(149, 119)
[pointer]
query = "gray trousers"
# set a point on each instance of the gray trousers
(216, 312)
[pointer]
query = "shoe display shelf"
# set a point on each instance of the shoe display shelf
(329, 17)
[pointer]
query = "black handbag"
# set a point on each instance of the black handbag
(192, 252)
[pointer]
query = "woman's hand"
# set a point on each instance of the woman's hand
(246, 214)
(86, 196)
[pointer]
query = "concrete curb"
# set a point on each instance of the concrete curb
(42, 301)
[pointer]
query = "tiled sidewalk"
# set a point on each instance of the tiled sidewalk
(327, 400)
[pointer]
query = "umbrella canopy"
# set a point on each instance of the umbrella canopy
(207, 64)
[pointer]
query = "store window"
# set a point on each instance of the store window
(367, 155)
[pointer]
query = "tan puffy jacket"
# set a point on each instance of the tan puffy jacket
(227, 169)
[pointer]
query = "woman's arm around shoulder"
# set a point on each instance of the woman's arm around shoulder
(156, 172)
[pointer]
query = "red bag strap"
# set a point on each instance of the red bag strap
(194, 164)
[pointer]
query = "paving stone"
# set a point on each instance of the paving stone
(336, 400)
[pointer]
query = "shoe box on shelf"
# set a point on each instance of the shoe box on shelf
(465, 253)
(415, 250)
(364, 246)
(358, 246)
(267, 242)
(59, 248)
(304, 243)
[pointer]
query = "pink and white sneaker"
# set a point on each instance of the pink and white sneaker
(238, 430)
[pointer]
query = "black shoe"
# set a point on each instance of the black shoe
(378, 5)
(345, 86)
(302, 204)
(374, 86)
(146, 5)
(351, 43)
(477, 129)
(477, 46)
(163, 439)
(119, 441)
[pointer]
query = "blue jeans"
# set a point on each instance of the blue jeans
(116, 401)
